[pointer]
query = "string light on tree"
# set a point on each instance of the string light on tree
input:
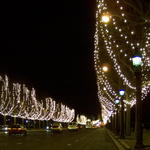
(120, 37)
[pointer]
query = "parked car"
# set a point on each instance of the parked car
(81, 126)
(17, 129)
(4, 128)
(47, 128)
(73, 126)
(56, 127)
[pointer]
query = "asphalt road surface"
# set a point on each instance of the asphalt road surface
(84, 139)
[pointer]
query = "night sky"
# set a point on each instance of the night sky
(49, 46)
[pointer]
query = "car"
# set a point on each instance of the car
(73, 126)
(47, 128)
(17, 129)
(56, 127)
(4, 128)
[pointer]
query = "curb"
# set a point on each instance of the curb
(121, 145)
(127, 147)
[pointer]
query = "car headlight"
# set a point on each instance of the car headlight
(6, 128)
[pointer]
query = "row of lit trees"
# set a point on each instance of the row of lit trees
(122, 36)
(17, 101)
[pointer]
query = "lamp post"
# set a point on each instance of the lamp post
(122, 93)
(117, 118)
(137, 62)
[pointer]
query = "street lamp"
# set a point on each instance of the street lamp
(122, 93)
(105, 68)
(117, 101)
(105, 18)
(137, 62)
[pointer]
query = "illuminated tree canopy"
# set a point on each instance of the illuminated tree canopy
(17, 100)
(126, 32)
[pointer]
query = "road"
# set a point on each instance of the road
(84, 139)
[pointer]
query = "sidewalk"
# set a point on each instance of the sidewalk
(129, 141)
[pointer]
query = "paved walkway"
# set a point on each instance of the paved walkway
(129, 142)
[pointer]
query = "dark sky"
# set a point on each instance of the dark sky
(50, 46)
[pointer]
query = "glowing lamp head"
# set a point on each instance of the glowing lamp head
(105, 68)
(117, 101)
(105, 18)
(137, 61)
(121, 92)
(104, 89)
